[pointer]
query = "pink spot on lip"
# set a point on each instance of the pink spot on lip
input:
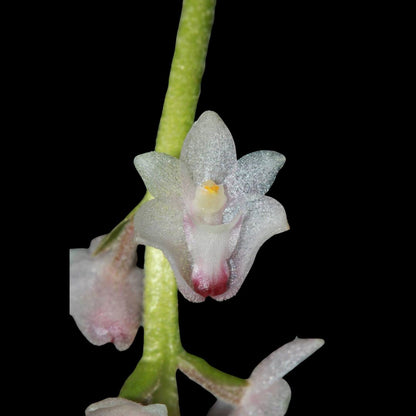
(208, 285)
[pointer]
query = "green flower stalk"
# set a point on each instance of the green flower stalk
(154, 379)
(208, 213)
(188, 66)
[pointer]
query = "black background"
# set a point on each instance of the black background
(293, 78)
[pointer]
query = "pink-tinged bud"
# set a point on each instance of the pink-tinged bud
(209, 214)
(118, 406)
(106, 291)
(268, 394)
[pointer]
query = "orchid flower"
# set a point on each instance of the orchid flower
(122, 407)
(105, 291)
(210, 215)
(268, 394)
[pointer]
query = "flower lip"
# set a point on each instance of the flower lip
(210, 247)
(212, 284)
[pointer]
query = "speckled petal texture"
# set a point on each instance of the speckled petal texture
(265, 217)
(209, 150)
(161, 174)
(161, 226)
(255, 174)
(118, 406)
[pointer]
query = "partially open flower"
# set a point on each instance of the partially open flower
(118, 406)
(106, 290)
(268, 394)
(209, 215)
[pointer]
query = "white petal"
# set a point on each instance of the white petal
(160, 225)
(161, 174)
(209, 150)
(221, 408)
(255, 174)
(118, 406)
(285, 359)
(265, 218)
(272, 400)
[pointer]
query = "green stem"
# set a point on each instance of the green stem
(188, 66)
(222, 385)
(154, 379)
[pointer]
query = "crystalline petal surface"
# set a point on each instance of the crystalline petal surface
(209, 150)
(255, 174)
(161, 226)
(161, 174)
(264, 218)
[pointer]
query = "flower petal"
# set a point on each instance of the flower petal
(161, 174)
(255, 174)
(271, 401)
(209, 150)
(265, 217)
(118, 406)
(285, 359)
(159, 224)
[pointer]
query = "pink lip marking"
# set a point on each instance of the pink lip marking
(211, 285)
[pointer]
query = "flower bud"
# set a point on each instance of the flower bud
(106, 291)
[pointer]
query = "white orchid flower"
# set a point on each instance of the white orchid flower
(210, 215)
